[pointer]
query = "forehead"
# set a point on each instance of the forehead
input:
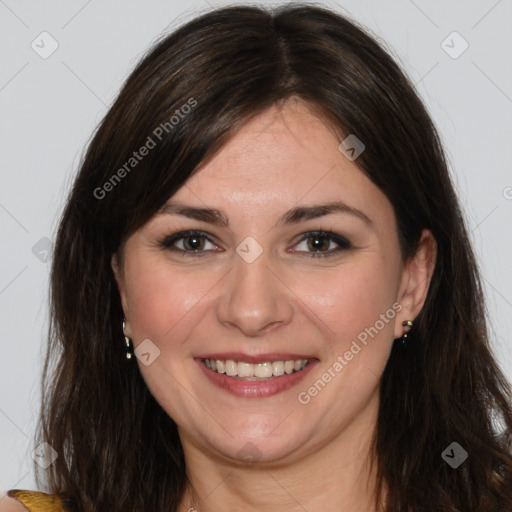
(283, 157)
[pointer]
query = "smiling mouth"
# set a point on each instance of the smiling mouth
(263, 371)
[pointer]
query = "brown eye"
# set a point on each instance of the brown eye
(192, 242)
(319, 242)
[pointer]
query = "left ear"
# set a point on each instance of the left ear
(416, 276)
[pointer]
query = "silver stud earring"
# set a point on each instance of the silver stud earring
(128, 343)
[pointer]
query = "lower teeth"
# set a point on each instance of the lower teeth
(253, 378)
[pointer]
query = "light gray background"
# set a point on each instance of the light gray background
(49, 108)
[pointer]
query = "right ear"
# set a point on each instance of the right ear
(118, 275)
(117, 268)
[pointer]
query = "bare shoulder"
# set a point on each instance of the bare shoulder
(8, 504)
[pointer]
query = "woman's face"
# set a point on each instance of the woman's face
(253, 287)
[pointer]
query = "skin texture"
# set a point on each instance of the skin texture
(312, 455)
(8, 504)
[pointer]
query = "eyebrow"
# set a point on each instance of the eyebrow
(293, 216)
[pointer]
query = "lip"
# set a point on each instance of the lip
(255, 389)
(255, 358)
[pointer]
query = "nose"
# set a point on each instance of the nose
(255, 298)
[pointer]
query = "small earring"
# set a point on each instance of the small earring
(128, 342)
(408, 326)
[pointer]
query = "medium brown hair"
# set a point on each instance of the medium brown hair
(117, 448)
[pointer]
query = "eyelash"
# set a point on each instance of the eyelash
(168, 241)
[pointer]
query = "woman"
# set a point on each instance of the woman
(263, 291)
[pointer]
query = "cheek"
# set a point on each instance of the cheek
(355, 302)
(351, 298)
(160, 297)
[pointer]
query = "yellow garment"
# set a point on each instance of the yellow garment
(37, 501)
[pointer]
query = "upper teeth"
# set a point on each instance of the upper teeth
(262, 370)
